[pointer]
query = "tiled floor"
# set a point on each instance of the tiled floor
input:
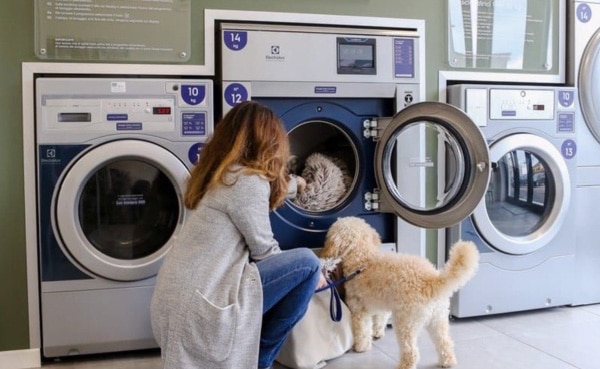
(558, 338)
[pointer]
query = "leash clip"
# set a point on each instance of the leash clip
(354, 274)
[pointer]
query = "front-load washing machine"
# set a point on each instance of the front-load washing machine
(584, 71)
(525, 225)
(112, 158)
(351, 94)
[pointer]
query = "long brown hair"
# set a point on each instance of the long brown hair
(249, 135)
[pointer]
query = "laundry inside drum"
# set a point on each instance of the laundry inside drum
(324, 155)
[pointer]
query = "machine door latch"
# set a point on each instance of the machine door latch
(372, 200)
(370, 129)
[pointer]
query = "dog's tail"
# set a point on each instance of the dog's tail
(461, 266)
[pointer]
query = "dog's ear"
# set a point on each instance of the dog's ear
(375, 238)
(325, 252)
(329, 249)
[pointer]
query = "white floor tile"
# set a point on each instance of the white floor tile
(577, 343)
(516, 323)
(594, 309)
(478, 346)
(502, 352)
(558, 338)
(371, 359)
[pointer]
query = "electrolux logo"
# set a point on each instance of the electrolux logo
(50, 157)
(275, 54)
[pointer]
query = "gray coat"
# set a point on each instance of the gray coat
(207, 304)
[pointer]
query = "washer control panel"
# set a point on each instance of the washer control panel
(522, 104)
(172, 109)
(498, 108)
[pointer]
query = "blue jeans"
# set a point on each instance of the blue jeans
(289, 280)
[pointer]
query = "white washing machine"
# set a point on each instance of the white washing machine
(584, 73)
(351, 94)
(525, 226)
(112, 158)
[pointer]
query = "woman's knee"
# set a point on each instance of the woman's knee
(309, 258)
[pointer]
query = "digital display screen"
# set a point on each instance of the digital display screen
(74, 117)
(539, 107)
(356, 56)
(161, 110)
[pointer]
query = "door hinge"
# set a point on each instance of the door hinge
(370, 129)
(372, 200)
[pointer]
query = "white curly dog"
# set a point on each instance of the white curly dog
(408, 286)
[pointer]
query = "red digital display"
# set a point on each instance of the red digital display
(161, 110)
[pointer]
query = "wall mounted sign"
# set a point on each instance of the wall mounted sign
(113, 30)
(504, 34)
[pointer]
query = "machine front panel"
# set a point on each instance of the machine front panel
(332, 128)
(296, 55)
(112, 156)
(108, 195)
(525, 227)
(532, 152)
(350, 68)
(52, 161)
(178, 111)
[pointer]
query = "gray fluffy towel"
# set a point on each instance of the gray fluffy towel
(327, 181)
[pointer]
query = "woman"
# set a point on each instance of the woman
(226, 275)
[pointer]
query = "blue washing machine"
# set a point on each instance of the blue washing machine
(336, 128)
(333, 127)
(353, 95)
(525, 226)
(113, 155)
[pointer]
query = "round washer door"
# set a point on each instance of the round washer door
(118, 207)
(528, 195)
(431, 165)
(589, 88)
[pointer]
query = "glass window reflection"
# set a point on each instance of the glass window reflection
(508, 34)
(520, 193)
(128, 209)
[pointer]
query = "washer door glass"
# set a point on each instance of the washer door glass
(589, 88)
(431, 165)
(527, 197)
(128, 209)
(117, 211)
(323, 154)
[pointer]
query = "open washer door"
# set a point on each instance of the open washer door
(589, 89)
(431, 165)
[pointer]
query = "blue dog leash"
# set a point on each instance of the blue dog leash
(331, 284)
(335, 302)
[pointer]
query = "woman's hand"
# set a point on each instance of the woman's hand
(322, 281)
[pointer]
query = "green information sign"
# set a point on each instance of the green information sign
(113, 30)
